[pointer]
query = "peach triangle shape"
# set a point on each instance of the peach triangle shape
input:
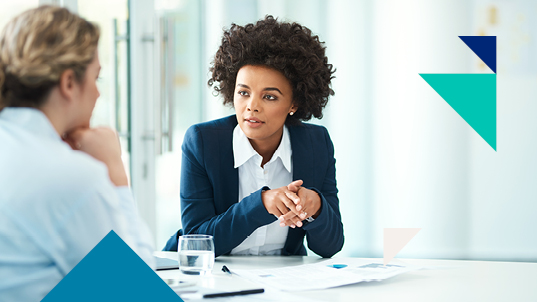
(395, 239)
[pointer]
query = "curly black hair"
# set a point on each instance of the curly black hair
(287, 47)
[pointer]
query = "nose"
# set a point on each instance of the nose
(253, 104)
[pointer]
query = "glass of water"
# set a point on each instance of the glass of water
(196, 254)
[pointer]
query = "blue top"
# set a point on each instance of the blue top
(210, 189)
(56, 204)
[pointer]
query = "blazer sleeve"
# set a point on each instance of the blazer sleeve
(199, 212)
(325, 233)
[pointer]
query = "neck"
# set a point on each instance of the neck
(56, 114)
(266, 148)
(55, 121)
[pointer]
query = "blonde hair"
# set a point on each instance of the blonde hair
(36, 47)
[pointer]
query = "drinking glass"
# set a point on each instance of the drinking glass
(196, 254)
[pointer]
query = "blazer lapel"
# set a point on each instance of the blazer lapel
(303, 168)
(303, 155)
(230, 180)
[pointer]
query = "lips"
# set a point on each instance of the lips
(253, 122)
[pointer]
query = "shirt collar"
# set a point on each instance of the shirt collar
(243, 150)
(30, 119)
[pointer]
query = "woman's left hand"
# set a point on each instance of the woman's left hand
(307, 201)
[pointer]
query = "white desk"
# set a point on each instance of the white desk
(447, 280)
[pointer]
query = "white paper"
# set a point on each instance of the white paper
(324, 274)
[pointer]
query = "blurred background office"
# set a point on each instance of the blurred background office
(404, 157)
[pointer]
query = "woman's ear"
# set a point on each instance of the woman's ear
(67, 84)
(294, 108)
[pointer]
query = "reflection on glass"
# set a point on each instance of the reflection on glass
(112, 107)
(181, 106)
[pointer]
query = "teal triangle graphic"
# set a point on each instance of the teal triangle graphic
(112, 271)
(473, 96)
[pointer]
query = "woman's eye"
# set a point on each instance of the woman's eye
(270, 97)
(243, 93)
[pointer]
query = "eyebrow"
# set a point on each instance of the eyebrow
(273, 89)
(265, 89)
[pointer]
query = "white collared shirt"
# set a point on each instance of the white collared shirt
(268, 239)
(56, 204)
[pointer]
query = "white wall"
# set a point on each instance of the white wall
(504, 183)
(503, 190)
(420, 150)
(349, 116)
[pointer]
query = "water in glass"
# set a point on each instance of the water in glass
(196, 254)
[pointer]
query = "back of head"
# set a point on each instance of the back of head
(36, 47)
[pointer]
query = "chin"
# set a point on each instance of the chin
(251, 134)
(248, 132)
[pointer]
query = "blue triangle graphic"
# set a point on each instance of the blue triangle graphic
(112, 271)
(484, 47)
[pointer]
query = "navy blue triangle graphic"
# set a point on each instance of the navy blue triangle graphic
(112, 271)
(484, 47)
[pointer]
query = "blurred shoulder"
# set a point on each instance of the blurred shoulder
(75, 172)
(82, 167)
(50, 171)
(62, 168)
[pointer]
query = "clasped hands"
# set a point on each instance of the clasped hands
(292, 203)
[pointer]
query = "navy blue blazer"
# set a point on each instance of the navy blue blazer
(210, 190)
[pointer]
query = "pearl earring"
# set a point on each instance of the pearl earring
(291, 113)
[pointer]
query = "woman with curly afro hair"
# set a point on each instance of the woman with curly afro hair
(261, 180)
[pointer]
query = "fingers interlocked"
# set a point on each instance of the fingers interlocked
(282, 203)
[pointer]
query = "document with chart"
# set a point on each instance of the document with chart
(325, 274)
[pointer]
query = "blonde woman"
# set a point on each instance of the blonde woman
(56, 203)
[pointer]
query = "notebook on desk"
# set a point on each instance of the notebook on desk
(166, 263)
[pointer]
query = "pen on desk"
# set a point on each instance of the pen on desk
(238, 293)
(226, 270)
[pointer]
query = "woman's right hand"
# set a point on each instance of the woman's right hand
(103, 145)
(277, 203)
